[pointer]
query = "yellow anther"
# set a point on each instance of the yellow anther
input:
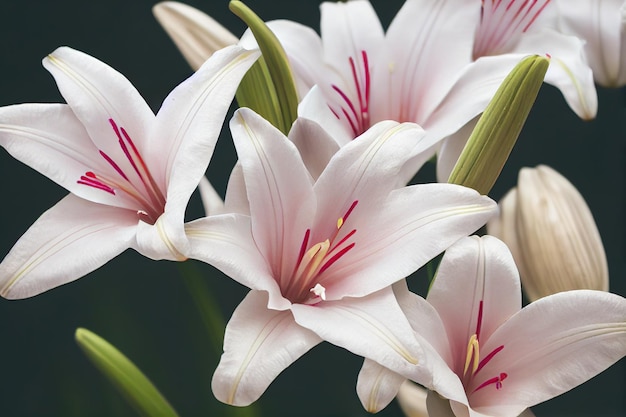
(312, 260)
(473, 351)
(339, 222)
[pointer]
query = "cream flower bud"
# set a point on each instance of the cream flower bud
(412, 400)
(196, 34)
(551, 234)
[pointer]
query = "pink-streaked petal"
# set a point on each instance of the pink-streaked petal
(279, 189)
(68, 241)
(188, 124)
(377, 386)
(476, 278)
(353, 40)
(551, 346)
(303, 47)
(373, 327)
(97, 93)
(414, 225)
(568, 71)
(225, 242)
(258, 345)
(603, 26)
(503, 23)
(211, 200)
(428, 43)
(347, 29)
(50, 139)
(316, 147)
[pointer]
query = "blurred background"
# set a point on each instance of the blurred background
(145, 307)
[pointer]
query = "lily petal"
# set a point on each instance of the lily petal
(315, 107)
(236, 199)
(188, 124)
(377, 386)
(279, 189)
(211, 200)
(568, 71)
(303, 47)
(421, 30)
(488, 287)
(416, 223)
(553, 345)
(369, 165)
(214, 239)
(348, 322)
(316, 147)
(258, 345)
(97, 93)
(602, 25)
(71, 239)
(50, 139)
(480, 81)
(347, 29)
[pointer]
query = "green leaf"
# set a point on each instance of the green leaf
(491, 142)
(284, 96)
(142, 395)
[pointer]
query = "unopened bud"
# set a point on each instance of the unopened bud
(497, 130)
(196, 34)
(551, 234)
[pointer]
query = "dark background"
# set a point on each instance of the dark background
(144, 308)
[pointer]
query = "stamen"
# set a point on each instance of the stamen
(487, 358)
(336, 257)
(472, 355)
(495, 380)
(316, 260)
(90, 179)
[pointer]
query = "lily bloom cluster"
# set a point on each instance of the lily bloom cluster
(319, 222)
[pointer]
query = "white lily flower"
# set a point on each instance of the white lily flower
(438, 65)
(320, 255)
(489, 356)
(130, 173)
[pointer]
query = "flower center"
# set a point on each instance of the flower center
(356, 113)
(501, 23)
(140, 187)
(306, 285)
(474, 363)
